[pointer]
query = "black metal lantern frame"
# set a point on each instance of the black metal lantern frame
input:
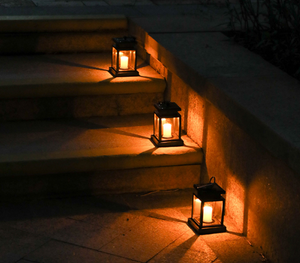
(124, 57)
(208, 209)
(166, 125)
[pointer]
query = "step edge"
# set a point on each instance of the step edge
(60, 23)
(74, 89)
(92, 161)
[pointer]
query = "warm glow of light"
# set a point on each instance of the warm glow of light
(197, 207)
(124, 62)
(167, 130)
(207, 214)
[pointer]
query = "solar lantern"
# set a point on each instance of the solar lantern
(208, 209)
(124, 57)
(166, 125)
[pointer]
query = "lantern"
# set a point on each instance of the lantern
(208, 209)
(166, 125)
(124, 57)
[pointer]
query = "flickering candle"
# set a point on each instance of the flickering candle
(167, 130)
(124, 62)
(207, 214)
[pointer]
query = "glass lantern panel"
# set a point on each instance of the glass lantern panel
(170, 128)
(212, 213)
(127, 60)
(156, 126)
(196, 209)
(114, 58)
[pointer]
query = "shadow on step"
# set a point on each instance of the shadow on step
(64, 62)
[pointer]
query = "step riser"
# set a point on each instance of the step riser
(77, 107)
(60, 34)
(65, 42)
(112, 181)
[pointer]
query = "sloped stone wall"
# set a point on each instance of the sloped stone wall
(262, 196)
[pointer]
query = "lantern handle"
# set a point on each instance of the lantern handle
(212, 178)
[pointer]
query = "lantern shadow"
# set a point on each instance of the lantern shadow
(164, 217)
(192, 147)
(81, 123)
(150, 151)
(180, 251)
(142, 65)
(62, 62)
(18, 210)
(120, 132)
(235, 233)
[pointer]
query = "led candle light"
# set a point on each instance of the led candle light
(167, 130)
(124, 62)
(207, 214)
(166, 125)
(124, 57)
(208, 208)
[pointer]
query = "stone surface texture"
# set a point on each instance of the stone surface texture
(247, 111)
(92, 155)
(73, 85)
(140, 227)
(56, 34)
(250, 138)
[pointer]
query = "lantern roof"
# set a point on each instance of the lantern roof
(167, 106)
(124, 42)
(210, 188)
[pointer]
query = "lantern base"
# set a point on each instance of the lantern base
(158, 143)
(128, 73)
(205, 230)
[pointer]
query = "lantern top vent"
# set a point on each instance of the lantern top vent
(167, 106)
(212, 189)
(124, 42)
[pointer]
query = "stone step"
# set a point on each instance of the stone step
(92, 155)
(73, 86)
(60, 34)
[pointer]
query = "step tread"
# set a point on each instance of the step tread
(31, 76)
(84, 145)
(61, 23)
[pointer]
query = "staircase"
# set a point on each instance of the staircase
(67, 126)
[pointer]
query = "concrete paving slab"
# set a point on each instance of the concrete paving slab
(15, 244)
(154, 235)
(47, 226)
(159, 199)
(58, 252)
(187, 248)
(224, 250)
(87, 235)
(121, 222)
(162, 240)
(168, 214)
(76, 207)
